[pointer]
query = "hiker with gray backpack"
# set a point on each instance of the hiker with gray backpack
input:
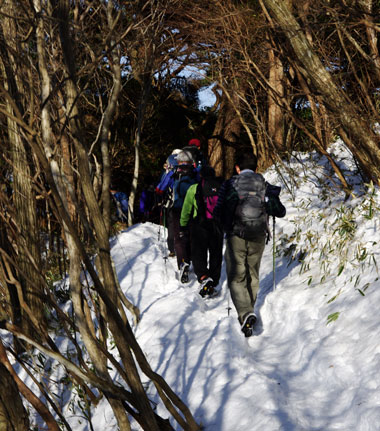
(244, 205)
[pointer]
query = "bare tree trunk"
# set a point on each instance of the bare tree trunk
(132, 193)
(23, 194)
(366, 150)
(10, 308)
(13, 416)
(109, 115)
(11, 394)
(222, 145)
(232, 132)
(275, 112)
(321, 120)
(145, 90)
(367, 6)
(215, 143)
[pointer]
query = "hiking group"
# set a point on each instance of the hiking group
(202, 211)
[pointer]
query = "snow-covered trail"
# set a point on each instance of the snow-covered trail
(296, 373)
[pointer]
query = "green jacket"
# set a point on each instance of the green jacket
(190, 206)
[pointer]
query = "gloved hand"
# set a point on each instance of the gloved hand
(274, 207)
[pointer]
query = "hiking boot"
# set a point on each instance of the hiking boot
(208, 288)
(184, 272)
(248, 324)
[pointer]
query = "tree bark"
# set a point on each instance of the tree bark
(27, 394)
(368, 6)
(13, 416)
(24, 197)
(275, 112)
(224, 140)
(109, 114)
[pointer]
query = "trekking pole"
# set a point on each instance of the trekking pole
(274, 253)
(165, 247)
(165, 235)
(159, 227)
(228, 305)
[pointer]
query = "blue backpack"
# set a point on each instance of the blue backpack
(184, 178)
(121, 200)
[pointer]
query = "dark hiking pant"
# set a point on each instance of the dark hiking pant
(206, 250)
(242, 264)
(181, 244)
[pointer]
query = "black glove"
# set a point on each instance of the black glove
(274, 207)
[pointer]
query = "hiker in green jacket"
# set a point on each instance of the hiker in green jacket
(206, 238)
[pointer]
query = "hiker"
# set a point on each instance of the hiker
(184, 177)
(166, 180)
(147, 204)
(121, 202)
(206, 236)
(242, 211)
(164, 191)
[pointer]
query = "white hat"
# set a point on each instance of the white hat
(185, 157)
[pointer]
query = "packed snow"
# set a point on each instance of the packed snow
(312, 363)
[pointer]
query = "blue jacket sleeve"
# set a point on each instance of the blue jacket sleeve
(165, 183)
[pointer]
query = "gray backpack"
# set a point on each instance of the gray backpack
(250, 217)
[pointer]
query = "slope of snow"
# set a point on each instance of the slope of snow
(314, 359)
(312, 364)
